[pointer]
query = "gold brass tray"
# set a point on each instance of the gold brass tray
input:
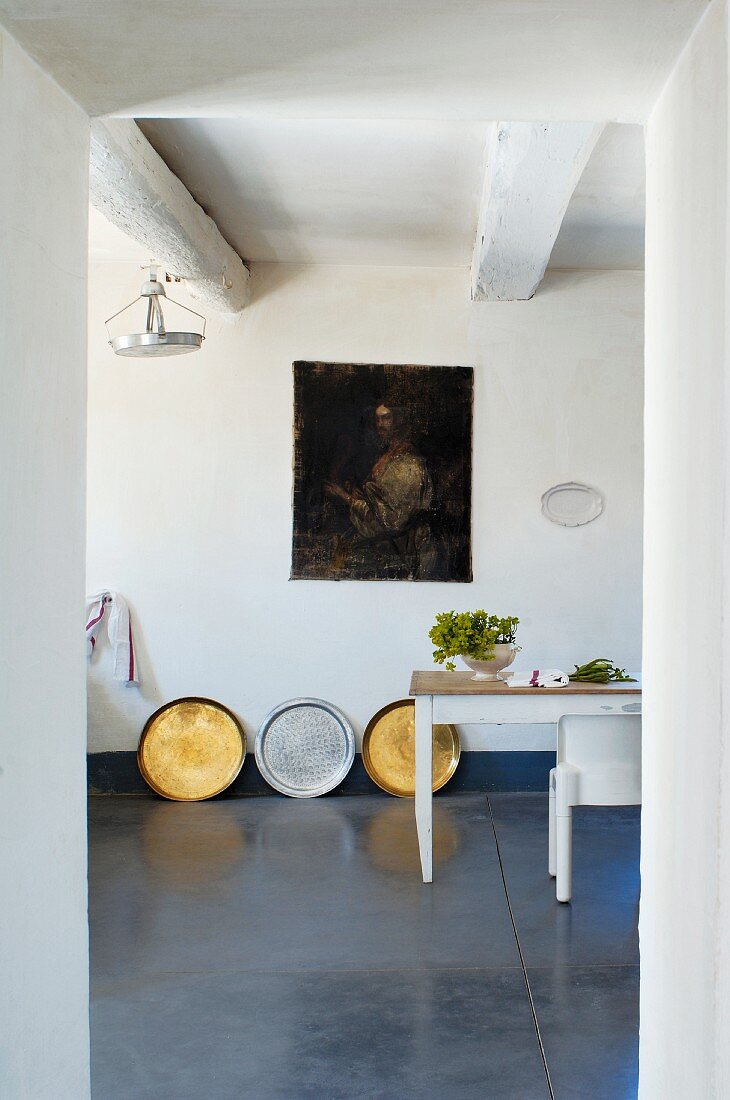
(191, 749)
(389, 750)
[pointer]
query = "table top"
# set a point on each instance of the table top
(461, 683)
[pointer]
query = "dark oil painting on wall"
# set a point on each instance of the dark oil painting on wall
(382, 472)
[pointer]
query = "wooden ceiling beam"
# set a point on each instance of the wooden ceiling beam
(133, 187)
(531, 172)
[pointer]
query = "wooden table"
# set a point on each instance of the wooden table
(443, 697)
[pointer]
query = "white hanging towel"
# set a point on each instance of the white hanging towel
(109, 606)
(538, 678)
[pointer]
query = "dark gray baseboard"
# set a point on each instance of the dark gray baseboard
(117, 773)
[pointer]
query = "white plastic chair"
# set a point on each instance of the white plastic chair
(598, 764)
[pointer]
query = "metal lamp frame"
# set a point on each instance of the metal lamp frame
(156, 340)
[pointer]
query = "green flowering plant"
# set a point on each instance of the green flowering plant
(473, 633)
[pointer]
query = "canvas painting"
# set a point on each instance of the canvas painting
(382, 472)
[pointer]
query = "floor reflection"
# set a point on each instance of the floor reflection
(391, 840)
(318, 825)
(186, 846)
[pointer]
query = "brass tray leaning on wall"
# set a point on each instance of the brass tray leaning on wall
(389, 750)
(191, 749)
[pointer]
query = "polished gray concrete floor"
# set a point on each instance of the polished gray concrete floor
(280, 948)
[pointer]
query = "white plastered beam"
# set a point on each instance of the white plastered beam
(531, 172)
(133, 187)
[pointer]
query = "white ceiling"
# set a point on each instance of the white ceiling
(333, 191)
(429, 59)
(604, 224)
(343, 131)
(365, 192)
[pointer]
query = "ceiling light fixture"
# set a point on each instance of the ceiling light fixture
(155, 339)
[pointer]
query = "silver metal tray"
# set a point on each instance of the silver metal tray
(305, 747)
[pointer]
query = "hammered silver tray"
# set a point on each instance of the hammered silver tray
(305, 747)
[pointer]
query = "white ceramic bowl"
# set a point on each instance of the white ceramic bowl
(504, 655)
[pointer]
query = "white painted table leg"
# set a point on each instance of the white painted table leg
(424, 781)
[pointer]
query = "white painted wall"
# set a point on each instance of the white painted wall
(190, 480)
(685, 909)
(43, 934)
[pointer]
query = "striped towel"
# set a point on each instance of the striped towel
(109, 606)
(538, 678)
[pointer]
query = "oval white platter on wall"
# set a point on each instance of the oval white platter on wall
(572, 504)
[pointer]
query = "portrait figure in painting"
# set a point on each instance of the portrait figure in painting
(389, 511)
(382, 472)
